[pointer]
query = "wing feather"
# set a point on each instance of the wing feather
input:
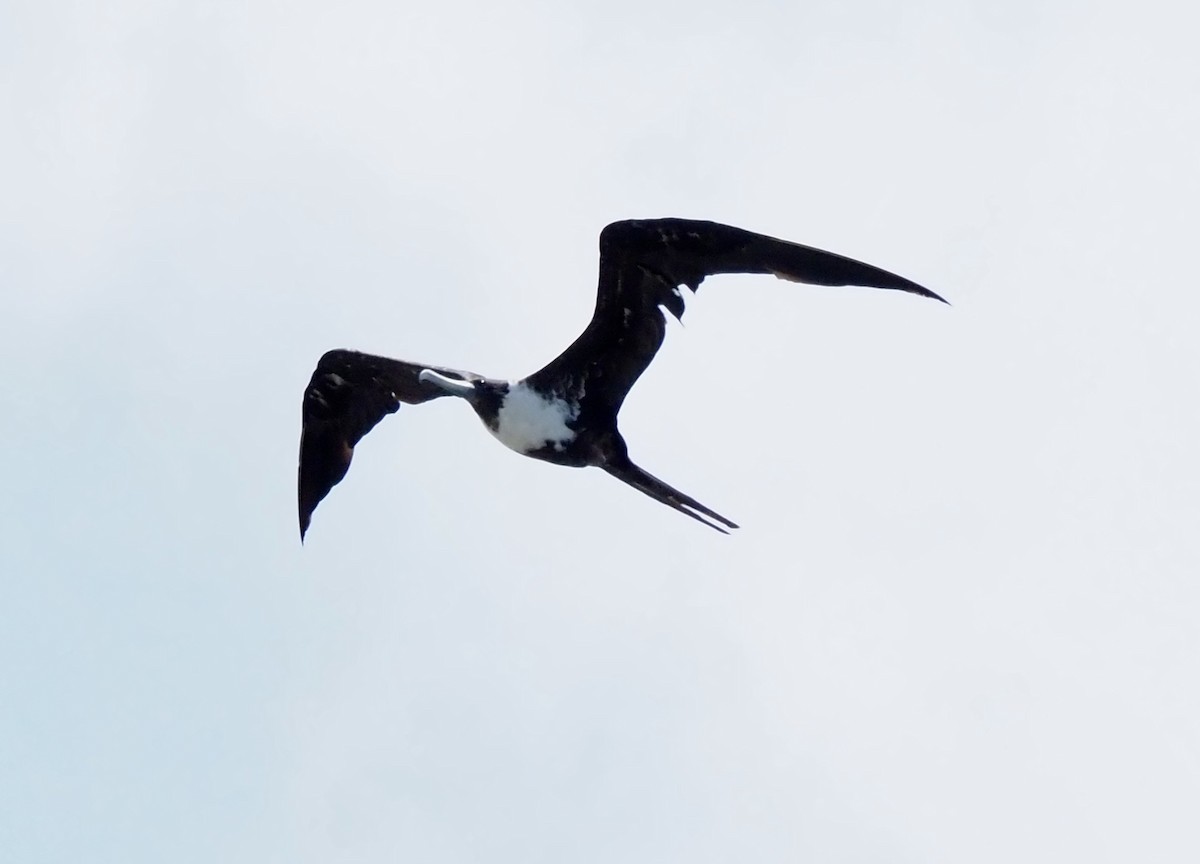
(643, 264)
(348, 394)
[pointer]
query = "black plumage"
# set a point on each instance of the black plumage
(574, 399)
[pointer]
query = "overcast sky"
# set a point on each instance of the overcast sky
(960, 620)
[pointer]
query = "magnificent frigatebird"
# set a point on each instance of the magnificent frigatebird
(566, 412)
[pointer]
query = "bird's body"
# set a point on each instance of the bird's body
(533, 424)
(566, 412)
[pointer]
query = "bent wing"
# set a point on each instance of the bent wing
(348, 394)
(644, 262)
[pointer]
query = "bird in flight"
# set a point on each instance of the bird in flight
(566, 412)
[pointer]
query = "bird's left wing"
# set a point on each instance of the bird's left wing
(348, 394)
(643, 264)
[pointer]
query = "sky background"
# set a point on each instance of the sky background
(959, 623)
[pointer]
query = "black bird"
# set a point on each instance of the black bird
(566, 412)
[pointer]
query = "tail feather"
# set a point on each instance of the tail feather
(627, 472)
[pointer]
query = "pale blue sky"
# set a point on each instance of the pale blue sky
(959, 621)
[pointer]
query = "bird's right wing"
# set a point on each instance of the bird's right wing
(348, 394)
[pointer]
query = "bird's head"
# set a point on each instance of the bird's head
(485, 395)
(449, 386)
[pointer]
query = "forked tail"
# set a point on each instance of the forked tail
(627, 472)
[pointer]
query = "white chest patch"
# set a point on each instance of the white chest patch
(526, 421)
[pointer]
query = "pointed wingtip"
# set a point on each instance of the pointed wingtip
(918, 289)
